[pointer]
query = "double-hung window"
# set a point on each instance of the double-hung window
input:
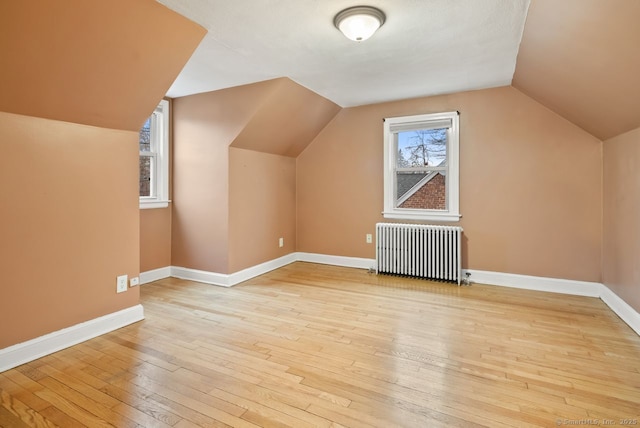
(154, 158)
(421, 175)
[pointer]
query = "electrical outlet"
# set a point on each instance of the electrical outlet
(369, 238)
(121, 283)
(134, 281)
(281, 242)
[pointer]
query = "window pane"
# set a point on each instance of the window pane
(422, 147)
(145, 175)
(145, 136)
(421, 190)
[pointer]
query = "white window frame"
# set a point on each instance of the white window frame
(159, 154)
(392, 126)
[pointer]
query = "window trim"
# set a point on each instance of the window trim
(160, 159)
(392, 126)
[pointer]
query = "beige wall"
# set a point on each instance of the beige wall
(102, 63)
(621, 246)
(69, 219)
(262, 207)
(204, 126)
(155, 238)
(68, 222)
(531, 192)
(234, 172)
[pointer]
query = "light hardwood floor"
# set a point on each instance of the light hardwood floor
(312, 345)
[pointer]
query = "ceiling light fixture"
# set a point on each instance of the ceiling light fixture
(360, 22)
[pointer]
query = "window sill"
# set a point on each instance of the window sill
(421, 215)
(145, 205)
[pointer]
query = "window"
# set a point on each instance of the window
(421, 167)
(154, 159)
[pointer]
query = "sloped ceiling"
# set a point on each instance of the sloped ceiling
(275, 116)
(288, 119)
(581, 58)
(425, 47)
(101, 63)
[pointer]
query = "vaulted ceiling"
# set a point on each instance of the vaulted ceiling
(580, 58)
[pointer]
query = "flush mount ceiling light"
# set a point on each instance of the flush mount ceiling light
(360, 22)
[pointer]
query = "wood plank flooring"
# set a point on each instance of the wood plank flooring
(318, 346)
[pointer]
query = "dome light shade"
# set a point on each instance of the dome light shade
(360, 22)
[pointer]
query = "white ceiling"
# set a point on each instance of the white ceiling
(426, 47)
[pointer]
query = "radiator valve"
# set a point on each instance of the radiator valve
(467, 278)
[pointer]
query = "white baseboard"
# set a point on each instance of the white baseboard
(213, 278)
(30, 350)
(353, 262)
(538, 283)
(154, 275)
(228, 280)
(554, 285)
(565, 286)
(21, 353)
(262, 268)
(621, 308)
